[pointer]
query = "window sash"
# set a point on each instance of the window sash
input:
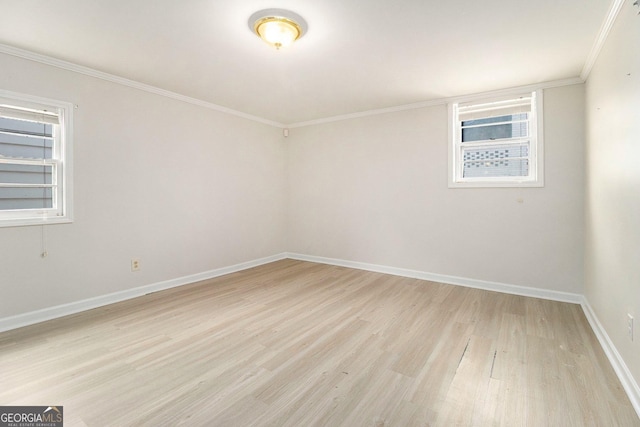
(29, 114)
(504, 107)
(508, 105)
(55, 183)
(508, 122)
(25, 202)
(490, 156)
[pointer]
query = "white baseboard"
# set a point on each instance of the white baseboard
(621, 369)
(38, 316)
(451, 280)
(627, 380)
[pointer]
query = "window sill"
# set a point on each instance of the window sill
(496, 184)
(25, 222)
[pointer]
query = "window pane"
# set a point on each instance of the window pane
(20, 138)
(497, 119)
(25, 174)
(486, 130)
(25, 198)
(496, 161)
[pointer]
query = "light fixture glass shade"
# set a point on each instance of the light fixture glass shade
(277, 27)
(278, 31)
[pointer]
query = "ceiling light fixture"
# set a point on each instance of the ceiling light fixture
(277, 27)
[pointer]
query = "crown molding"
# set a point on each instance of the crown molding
(413, 106)
(440, 101)
(65, 65)
(603, 33)
(54, 62)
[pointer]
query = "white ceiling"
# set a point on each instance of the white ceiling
(358, 55)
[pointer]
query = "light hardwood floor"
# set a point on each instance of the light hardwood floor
(294, 343)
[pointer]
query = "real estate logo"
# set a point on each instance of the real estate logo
(31, 416)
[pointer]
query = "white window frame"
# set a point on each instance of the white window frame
(61, 162)
(536, 148)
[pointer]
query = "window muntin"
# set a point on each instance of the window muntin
(35, 160)
(496, 143)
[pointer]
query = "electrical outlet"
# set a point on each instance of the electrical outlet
(135, 264)
(630, 326)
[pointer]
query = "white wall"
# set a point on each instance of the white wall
(184, 188)
(374, 190)
(612, 258)
(188, 190)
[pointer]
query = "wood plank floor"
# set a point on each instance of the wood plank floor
(294, 343)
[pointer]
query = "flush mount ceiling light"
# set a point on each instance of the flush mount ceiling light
(277, 27)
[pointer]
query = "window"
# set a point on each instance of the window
(35, 160)
(497, 142)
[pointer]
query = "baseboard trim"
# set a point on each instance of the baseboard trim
(621, 369)
(30, 318)
(450, 280)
